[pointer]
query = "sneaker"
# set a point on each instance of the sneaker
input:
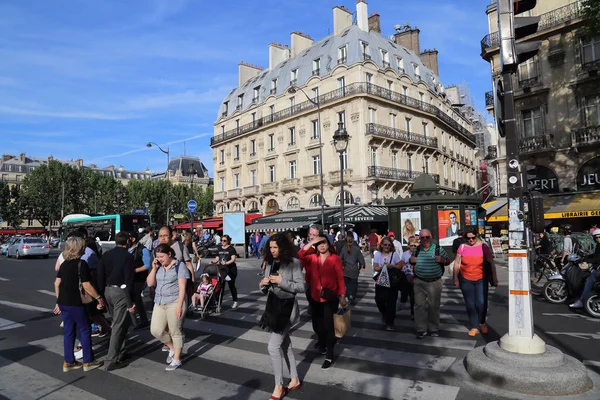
(234, 305)
(421, 335)
(93, 365)
(165, 348)
(95, 333)
(170, 356)
(104, 333)
(173, 365)
(473, 332)
(434, 334)
(577, 304)
(71, 366)
(483, 328)
(389, 328)
(326, 364)
(79, 354)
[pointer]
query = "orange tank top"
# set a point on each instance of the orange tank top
(471, 262)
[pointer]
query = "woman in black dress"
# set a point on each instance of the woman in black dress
(226, 260)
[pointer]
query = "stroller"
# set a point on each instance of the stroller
(213, 302)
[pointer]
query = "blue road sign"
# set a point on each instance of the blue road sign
(192, 206)
(1, 219)
(138, 211)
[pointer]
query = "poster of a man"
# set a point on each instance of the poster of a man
(411, 223)
(448, 226)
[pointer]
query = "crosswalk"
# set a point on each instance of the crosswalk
(226, 358)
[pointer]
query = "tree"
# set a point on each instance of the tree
(591, 13)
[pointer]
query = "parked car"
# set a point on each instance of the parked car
(8, 242)
(28, 247)
(54, 241)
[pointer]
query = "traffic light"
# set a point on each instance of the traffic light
(499, 106)
(531, 177)
(511, 29)
(535, 216)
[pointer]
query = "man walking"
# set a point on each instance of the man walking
(429, 262)
(141, 264)
(116, 277)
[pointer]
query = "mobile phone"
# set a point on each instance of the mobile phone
(274, 274)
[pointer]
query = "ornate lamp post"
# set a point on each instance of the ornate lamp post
(375, 193)
(167, 152)
(340, 141)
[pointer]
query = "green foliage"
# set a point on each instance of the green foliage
(591, 13)
(9, 209)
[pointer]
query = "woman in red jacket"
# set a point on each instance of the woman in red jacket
(326, 283)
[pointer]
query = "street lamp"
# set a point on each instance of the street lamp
(191, 172)
(167, 152)
(118, 195)
(293, 90)
(340, 141)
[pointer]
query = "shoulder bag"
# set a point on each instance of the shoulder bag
(86, 298)
(487, 264)
(326, 293)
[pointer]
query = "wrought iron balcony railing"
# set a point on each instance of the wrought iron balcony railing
(591, 65)
(547, 20)
(400, 134)
(489, 98)
(395, 174)
(347, 91)
(588, 135)
(536, 143)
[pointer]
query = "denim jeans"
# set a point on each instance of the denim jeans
(589, 285)
(351, 286)
(475, 294)
(75, 318)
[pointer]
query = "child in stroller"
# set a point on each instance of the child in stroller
(212, 299)
(204, 290)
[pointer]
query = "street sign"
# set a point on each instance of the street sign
(1, 219)
(139, 211)
(192, 206)
(146, 204)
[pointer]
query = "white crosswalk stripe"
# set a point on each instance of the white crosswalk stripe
(369, 360)
(6, 324)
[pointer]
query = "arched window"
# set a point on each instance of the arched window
(221, 209)
(293, 204)
(315, 201)
(238, 207)
(272, 207)
(348, 198)
(253, 206)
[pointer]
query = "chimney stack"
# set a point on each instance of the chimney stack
(92, 165)
(430, 60)
(362, 15)
(374, 23)
(408, 38)
(6, 157)
(22, 157)
(278, 53)
(50, 158)
(342, 19)
(300, 42)
(246, 72)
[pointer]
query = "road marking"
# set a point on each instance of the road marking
(5, 325)
(24, 306)
(578, 335)
(572, 315)
(20, 382)
(4, 279)
(48, 292)
(152, 374)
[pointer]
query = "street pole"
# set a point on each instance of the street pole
(168, 153)
(342, 193)
(62, 202)
(521, 337)
(192, 172)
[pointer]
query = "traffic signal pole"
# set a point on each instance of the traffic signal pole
(521, 337)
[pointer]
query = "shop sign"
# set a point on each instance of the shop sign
(573, 214)
(587, 176)
(543, 179)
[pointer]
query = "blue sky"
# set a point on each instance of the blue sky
(98, 79)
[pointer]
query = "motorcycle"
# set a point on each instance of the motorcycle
(207, 248)
(568, 282)
(592, 301)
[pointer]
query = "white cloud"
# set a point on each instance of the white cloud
(65, 114)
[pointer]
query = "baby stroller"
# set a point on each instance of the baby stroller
(213, 302)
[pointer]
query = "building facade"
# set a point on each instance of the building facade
(186, 170)
(271, 144)
(557, 101)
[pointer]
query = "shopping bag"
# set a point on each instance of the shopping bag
(384, 278)
(341, 322)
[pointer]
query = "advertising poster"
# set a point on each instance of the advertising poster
(473, 217)
(410, 221)
(448, 226)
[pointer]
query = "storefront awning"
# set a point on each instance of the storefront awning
(357, 214)
(276, 227)
(577, 205)
(287, 220)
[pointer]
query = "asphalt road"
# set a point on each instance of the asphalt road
(227, 356)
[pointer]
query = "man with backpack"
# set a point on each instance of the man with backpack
(429, 262)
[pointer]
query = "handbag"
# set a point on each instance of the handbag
(341, 322)
(487, 265)
(326, 293)
(86, 298)
(277, 313)
(383, 279)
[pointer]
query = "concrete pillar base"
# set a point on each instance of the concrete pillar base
(523, 345)
(549, 374)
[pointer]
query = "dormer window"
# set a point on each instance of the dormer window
(400, 63)
(385, 57)
(343, 54)
(293, 76)
(256, 94)
(365, 50)
(417, 71)
(240, 102)
(274, 86)
(225, 109)
(316, 66)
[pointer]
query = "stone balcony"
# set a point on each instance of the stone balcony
(334, 176)
(311, 181)
(536, 144)
(234, 193)
(251, 190)
(218, 195)
(290, 184)
(269, 187)
(588, 136)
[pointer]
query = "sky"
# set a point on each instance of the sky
(98, 79)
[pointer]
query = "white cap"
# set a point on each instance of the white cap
(596, 232)
(418, 233)
(141, 230)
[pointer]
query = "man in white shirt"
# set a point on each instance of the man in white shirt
(397, 244)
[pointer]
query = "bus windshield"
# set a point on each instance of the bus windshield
(103, 227)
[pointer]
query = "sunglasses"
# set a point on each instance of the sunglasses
(224, 241)
(471, 238)
(425, 237)
(597, 237)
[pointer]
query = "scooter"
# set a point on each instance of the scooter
(568, 283)
(592, 301)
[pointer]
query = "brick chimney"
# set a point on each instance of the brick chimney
(278, 53)
(430, 60)
(408, 38)
(22, 157)
(300, 42)
(362, 15)
(342, 19)
(374, 23)
(110, 167)
(6, 157)
(79, 163)
(50, 158)
(121, 169)
(246, 72)
(93, 166)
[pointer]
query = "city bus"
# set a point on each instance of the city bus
(103, 228)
